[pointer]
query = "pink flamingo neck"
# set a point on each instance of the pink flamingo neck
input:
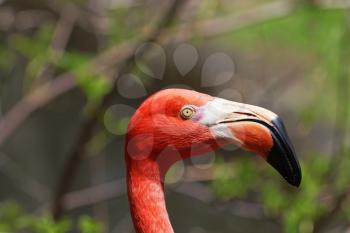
(146, 197)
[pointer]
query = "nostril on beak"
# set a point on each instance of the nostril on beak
(245, 114)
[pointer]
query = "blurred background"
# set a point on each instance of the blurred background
(72, 73)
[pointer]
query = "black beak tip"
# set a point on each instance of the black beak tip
(289, 169)
(295, 180)
(282, 156)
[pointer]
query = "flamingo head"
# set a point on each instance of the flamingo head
(192, 123)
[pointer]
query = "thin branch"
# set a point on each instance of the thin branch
(23, 181)
(109, 190)
(324, 220)
(64, 28)
(262, 13)
(116, 188)
(32, 102)
(223, 24)
(93, 195)
(196, 190)
(97, 172)
(60, 38)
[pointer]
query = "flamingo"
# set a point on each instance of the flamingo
(175, 124)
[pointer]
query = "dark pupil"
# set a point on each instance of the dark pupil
(187, 112)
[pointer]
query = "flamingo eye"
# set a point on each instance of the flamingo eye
(187, 112)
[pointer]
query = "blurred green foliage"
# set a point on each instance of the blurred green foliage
(297, 208)
(37, 49)
(14, 219)
(319, 35)
(316, 35)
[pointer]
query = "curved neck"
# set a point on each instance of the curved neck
(146, 197)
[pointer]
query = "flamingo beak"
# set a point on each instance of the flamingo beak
(258, 130)
(282, 155)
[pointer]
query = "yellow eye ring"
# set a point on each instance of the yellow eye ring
(187, 112)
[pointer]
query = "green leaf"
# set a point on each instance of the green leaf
(7, 58)
(94, 85)
(89, 225)
(36, 46)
